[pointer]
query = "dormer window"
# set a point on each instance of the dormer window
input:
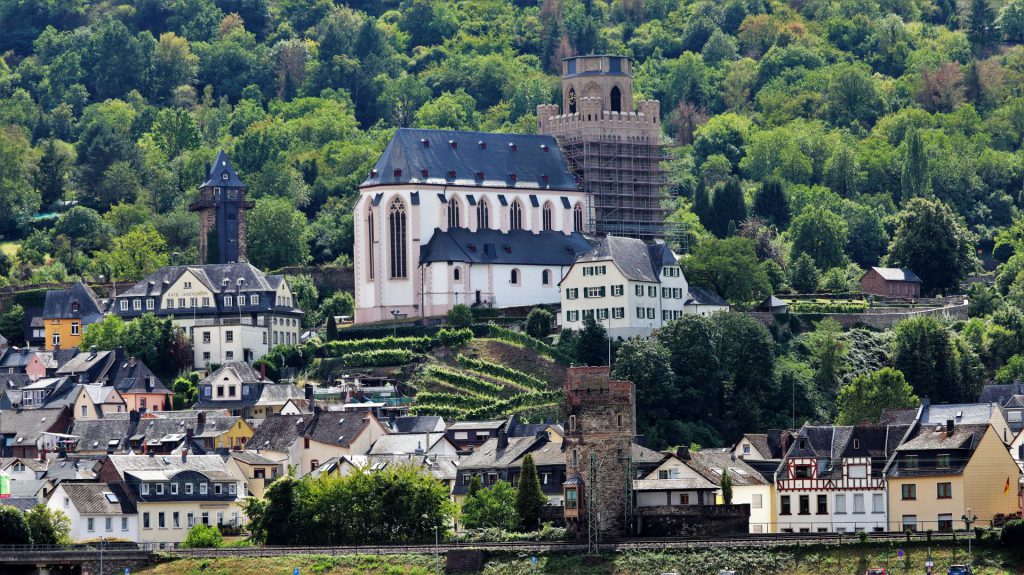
(74, 307)
(224, 176)
(856, 444)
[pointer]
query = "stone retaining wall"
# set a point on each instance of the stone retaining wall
(870, 319)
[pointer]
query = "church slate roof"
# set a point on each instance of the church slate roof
(516, 247)
(472, 159)
(216, 176)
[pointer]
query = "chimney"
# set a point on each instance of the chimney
(949, 427)
(263, 371)
(683, 453)
(1020, 452)
(189, 434)
(150, 452)
(42, 454)
(133, 416)
(184, 455)
(502, 439)
(308, 389)
(200, 419)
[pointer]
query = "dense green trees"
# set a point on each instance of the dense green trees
(48, 526)
(931, 240)
(868, 395)
(730, 267)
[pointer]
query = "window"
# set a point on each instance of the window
(206, 517)
(858, 503)
(639, 290)
(124, 305)
(206, 302)
(56, 339)
(229, 336)
(945, 522)
(150, 304)
(572, 293)
(570, 498)
(137, 304)
(513, 277)
(190, 519)
(188, 489)
(640, 313)
(170, 303)
(942, 461)
(174, 489)
(176, 520)
(944, 490)
(145, 520)
(546, 217)
(218, 488)
(75, 328)
(652, 291)
(908, 491)
(618, 312)
(90, 524)
(230, 355)
(572, 316)
(592, 292)
(756, 501)
(231, 488)
(369, 243)
(144, 488)
(160, 520)
(802, 472)
(483, 216)
(784, 508)
(515, 216)
(910, 462)
(229, 301)
(822, 504)
(159, 488)
(909, 522)
(616, 99)
(602, 314)
(545, 277)
(840, 504)
(650, 313)
(254, 299)
(85, 411)
(181, 302)
(617, 290)
(206, 337)
(684, 499)
(577, 218)
(203, 488)
(397, 239)
(453, 213)
(572, 423)
(805, 505)
(124, 524)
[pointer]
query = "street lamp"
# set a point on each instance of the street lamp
(969, 519)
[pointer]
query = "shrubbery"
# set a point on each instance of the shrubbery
(505, 334)
(454, 337)
(344, 347)
(828, 307)
(377, 357)
(202, 536)
(1013, 536)
(461, 381)
(498, 370)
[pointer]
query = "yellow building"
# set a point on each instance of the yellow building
(235, 437)
(67, 312)
(944, 472)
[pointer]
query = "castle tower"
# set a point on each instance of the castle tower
(221, 206)
(613, 148)
(598, 452)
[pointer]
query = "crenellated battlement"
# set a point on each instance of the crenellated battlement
(646, 120)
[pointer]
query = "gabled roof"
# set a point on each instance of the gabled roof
(242, 371)
(456, 158)
(219, 168)
(99, 498)
(491, 456)
(933, 437)
(167, 466)
(212, 276)
(59, 303)
(27, 425)
(896, 274)
(116, 431)
(338, 428)
(637, 260)
(704, 296)
(771, 302)
(417, 424)
(711, 464)
(278, 432)
(279, 394)
(686, 484)
(406, 443)
(1000, 393)
(521, 247)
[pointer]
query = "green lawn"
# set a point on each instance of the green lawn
(9, 248)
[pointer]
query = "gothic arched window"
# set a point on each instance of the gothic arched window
(570, 98)
(483, 217)
(545, 277)
(369, 241)
(515, 216)
(546, 217)
(577, 218)
(398, 233)
(616, 99)
(453, 213)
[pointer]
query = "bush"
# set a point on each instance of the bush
(460, 316)
(538, 323)
(1013, 536)
(462, 381)
(13, 527)
(454, 337)
(377, 357)
(828, 307)
(341, 348)
(202, 536)
(547, 532)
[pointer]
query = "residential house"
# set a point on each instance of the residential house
(942, 472)
(891, 282)
(23, 468)
(134, 381)
(231, 312)
(243, 391)
(97, 510)
(174, 492)
(67, 312)
(26, 432)
(330, 434)
(630, 287)
(27, 493)
(160, 432)
(416, 424)
(53, 392)
(93, 401)
(413, 444)
(966, 413)
(500, 459)
(15, 360)
(466, 435)
(278, 439)
(257, 471)
(1011, 397)
(703, 301)
(450, 217)
(831, 479)
(46, 363)
(749, 487)
(34, 330)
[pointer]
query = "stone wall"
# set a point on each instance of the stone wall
(692, 520)
(877, 320)
(464, 561)
(326, 279)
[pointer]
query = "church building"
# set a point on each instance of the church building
(450, 217)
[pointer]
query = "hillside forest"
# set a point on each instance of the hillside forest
(805, 141)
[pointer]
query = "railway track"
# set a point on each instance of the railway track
(633, 544)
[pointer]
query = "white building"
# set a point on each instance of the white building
(231, 312)
(464, 217)
(629, 286)
(96, 510)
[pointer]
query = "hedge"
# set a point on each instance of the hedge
(505, 334)
(445, 411)
(341, 348)
(351, 333)
(498, 370)
(461, 381)
(460, 400)
(505, 406)
(377, 357)
(829, 307)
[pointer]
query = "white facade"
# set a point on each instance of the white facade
(94, 526)
(854, 502)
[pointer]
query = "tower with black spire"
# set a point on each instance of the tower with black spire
(221, 206)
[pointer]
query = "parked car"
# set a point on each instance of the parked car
(877, 571)
(959, 570)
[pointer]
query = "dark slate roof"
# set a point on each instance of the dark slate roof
(216, 176)
(897, 274)
(71, 468)
(130, 375)
(516, 247)
(497, 157)
(979, 413)
(20, 503)
(336, 427)
(932, 437)
(279, 394)
(92, 499)
(58, 303)
(416, 424)
(17, 358)
(211, 275)
(637, 260)
(771, 303)
(278, 432)
(167, 466)
(241, 370)
(898, 416)
(253, 458)
(490, 456)
(711, 464)
(704, 296)
(97, 434)
(29, 424)
(1000, 393)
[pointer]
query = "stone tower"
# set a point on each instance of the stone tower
(221, 206)
(613, 147)
(600, 428)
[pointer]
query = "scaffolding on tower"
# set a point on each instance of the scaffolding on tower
(593, 508)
